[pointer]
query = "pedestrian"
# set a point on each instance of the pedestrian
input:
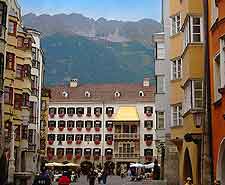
(156, 171)
(91, 176)
(43, 178)
(99, 176)
(188, 182)
(104, 176)
(64, 180)
(129, 174)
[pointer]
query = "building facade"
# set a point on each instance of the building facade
(169, 163)
(113, 123)
(216, 28)
(20, 128)
(187, 71)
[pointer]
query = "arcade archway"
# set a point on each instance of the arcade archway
(187, 166)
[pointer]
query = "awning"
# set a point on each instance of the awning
(127, 114)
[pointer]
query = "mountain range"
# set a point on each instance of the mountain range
(95, 51)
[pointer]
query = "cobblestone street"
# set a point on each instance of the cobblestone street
(113, 180)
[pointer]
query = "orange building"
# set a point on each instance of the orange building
(217, 76)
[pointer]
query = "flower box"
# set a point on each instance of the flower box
(109, 142)
(69, 142)
(61, 129)
(79, 129)
(69, 156)
(78, 142)
(70, 128)
(88, 129)
(50, 142)
(51, 128)
(97, 129)
(87, 157)
(96, 157)
(97, 142)
(109, 115)
(148, 158)
(52, 115)
(108, 157)
(148, 142)
(78, 156)
(50, 156)
(109, 129)
(149, 128)
(148, 113)
(61, 115)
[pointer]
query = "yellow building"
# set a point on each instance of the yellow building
(186, 57)
(17, 91)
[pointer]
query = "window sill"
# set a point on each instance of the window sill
(175, 127)
(160, 93)
(174, 35)
(176, 80)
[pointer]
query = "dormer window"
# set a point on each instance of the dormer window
(87, 94)
(141, 93)
(117, 94)
(65, 94)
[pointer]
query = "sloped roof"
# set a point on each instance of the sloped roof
(102, 92)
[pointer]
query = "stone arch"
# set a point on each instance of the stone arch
(187, 168)
(221, 163)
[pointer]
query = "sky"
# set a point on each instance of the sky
(131, 10)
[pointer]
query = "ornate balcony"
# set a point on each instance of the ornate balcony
(127, 136)
(127, 155)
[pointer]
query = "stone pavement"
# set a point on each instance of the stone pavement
(116, 180)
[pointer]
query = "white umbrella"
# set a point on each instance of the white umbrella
(136, 165)
(72, 164)
(151, 165)
(54, 164)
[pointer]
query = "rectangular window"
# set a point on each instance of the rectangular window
(8, 95)
(197, 94)
(217, 77)
(88, 137)
(10, 61)
(18, 102)
(1, 70)
(176, 115)
(12, 27)
(20, 41)
(24, 132)
(196, 29)
(175, 24)
(160, 51)
(160, 81)
(27, 70)
(26, 100)
(3, 13)
(19, 71)
(193, 31)
(160, 119)
(176, 69)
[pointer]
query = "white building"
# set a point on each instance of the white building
(102, 122)
(37, 75)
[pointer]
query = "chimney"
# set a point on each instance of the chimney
(74, 82)
(146, 82)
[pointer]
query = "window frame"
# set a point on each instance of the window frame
(10, 95)
(18, 101)
(175, 24)
(157, 120)
(162, 91)
(178, 114)
(19, 72)
(10, 61)
(176, 69)
(12, 30)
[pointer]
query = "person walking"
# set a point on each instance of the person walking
(156, 171)
(91, 176)
(104, 175)
(99, 176)
(64, 180)
(43, 178)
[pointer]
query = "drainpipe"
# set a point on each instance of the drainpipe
(207, 166)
